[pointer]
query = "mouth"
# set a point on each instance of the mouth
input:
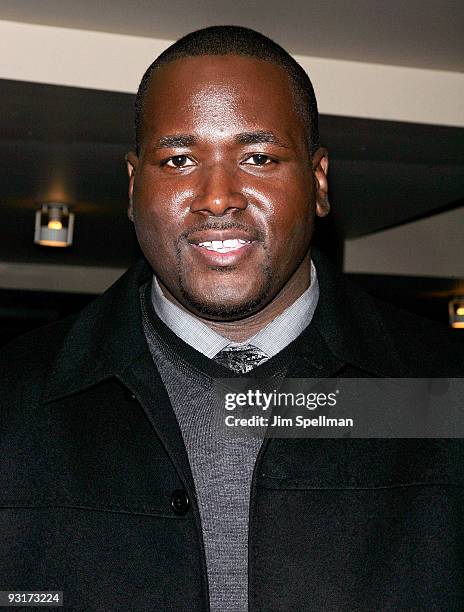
(222, 248)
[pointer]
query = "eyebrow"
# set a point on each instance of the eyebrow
(177, 140)
(259, 137)
(244, 138)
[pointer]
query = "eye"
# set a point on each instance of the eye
(179, 161)
(258, 159)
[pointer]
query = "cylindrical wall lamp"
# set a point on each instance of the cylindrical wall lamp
(456, 312)
(54, 225)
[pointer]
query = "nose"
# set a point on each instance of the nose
(218, 193)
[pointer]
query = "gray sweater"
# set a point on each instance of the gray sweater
(222, 464)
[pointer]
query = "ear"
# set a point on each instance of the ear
(320, 163)
(132, 160)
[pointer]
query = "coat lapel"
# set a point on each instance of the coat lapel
(107, 341)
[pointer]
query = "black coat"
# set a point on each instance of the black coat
(91, 455)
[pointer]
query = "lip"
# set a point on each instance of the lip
(210, 235)
(231, 258)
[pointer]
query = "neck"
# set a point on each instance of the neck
(243, 329)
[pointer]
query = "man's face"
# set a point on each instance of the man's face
(224, 192)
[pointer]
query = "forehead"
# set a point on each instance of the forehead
(220, 91)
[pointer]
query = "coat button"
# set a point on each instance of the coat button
(180, 502)
(130, 397)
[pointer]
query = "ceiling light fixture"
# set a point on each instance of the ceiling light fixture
(54, 225)
(456, 312)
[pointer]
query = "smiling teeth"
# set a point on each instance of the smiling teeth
(224, 246)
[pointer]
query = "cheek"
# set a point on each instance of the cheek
(292, 223)
(156, 243)
(156, 219)
(161, 197)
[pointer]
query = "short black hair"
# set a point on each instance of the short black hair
(236, 40)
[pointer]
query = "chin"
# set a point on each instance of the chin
(225, 309)
(222, 303)
(222, 311)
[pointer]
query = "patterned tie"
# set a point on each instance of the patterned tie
(241, 359)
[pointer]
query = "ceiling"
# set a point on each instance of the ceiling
(68, 144)
(417, 33)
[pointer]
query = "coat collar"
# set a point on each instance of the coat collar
(353, 325)
(104, 340)
(107, 336)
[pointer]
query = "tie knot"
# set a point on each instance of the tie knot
(241, 359)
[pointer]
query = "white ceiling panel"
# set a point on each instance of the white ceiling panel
(416, 33)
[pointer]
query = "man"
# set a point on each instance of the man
(117, 489)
